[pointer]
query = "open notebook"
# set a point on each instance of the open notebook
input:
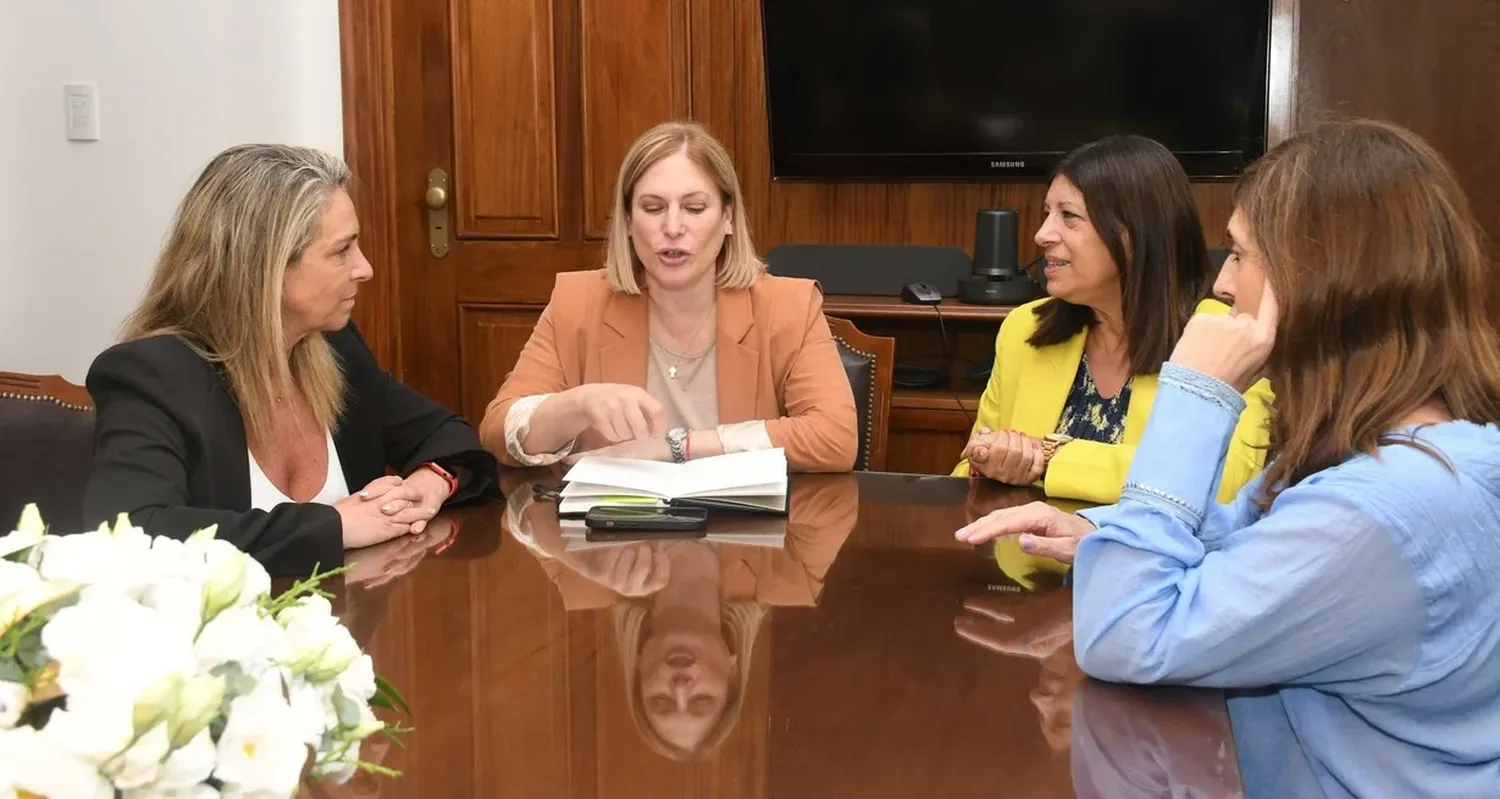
(743, 482)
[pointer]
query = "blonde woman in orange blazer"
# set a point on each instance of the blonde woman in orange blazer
(682, 346)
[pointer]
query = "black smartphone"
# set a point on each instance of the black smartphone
(615, 522)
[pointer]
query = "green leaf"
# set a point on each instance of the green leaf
(389, 697)
(11, 671)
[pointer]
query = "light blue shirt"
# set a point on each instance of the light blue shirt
(1364, 605)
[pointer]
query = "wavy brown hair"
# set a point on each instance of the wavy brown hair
(1141, 204)
(1387, 297)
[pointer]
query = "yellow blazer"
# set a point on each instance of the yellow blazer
(1029, 385)
(775, 358)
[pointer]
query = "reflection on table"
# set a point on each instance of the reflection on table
(862, 651)
(686, 612)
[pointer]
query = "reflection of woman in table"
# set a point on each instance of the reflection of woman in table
(686, 612)
(1131, 742)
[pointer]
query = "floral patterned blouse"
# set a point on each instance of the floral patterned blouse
(1087, 415)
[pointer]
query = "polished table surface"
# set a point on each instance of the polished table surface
(869, 655)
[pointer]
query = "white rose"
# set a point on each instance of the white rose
(91, 730)
(22, 591)
(179, 601)
(13, 701)
(358, 681)
(309, 608)
(102, 562)
(312, 710)
(339, 769)
(236, 578)
(194, 792)
(322, 648)
(254, 752)
(183, 774)
(39, 767)
(197, 706)
(140, 765)
(241, 635)
(28, 533)
(114, 648)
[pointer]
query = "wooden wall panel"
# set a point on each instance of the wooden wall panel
(1430, 66)
(530, 105)
(505, 138)
(365, 31)
(926, 441)
(634, 64)
(490, 340)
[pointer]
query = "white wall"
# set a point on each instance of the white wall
(179, 80)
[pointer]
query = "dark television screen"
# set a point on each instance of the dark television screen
(1001, 89)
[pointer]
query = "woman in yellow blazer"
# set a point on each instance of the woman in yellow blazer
(682, 346)
(1075, 373)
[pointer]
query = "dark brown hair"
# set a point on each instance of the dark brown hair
(1141, 204)
(1387, 298)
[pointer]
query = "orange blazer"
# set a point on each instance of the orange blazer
(775, 357)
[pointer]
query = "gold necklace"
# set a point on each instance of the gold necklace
(681, 358)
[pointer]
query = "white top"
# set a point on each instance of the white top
(264, 495)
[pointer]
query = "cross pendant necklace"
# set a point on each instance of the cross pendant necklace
(672, 372)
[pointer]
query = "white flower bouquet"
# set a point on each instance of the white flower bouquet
(140, 667)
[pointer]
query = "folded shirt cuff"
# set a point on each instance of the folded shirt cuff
(744, 436)
(518, 426)
(1181, 454)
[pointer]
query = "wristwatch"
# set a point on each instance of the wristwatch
(677, 442)
(1050, 443)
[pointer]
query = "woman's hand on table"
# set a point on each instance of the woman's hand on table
(1043, 529)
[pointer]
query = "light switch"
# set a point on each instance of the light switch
(82, 111)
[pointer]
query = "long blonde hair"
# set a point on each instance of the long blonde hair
(1387, 295)
(739, 266)
(218, 282)
(742, 622)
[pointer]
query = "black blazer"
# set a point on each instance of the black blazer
(170, 450)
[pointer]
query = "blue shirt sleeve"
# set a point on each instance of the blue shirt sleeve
(1174, 588)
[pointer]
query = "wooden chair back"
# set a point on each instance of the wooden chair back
(870, 362)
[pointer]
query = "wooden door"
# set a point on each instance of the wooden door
(527, 106)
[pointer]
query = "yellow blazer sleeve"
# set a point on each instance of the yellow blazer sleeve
(1095, 472)
(997, 403)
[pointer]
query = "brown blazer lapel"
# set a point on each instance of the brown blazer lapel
(737, 360)
(623, 340)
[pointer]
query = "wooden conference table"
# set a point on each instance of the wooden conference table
(885, 659)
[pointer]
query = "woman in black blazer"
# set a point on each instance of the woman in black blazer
(243, 397)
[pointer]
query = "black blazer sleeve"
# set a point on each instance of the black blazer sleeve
(414, 429)
(166, 431)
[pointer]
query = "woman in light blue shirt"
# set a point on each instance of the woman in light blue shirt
(1353, 590)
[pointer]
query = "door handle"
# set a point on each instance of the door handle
(436, 200)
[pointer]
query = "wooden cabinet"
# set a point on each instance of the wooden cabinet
(929, 425)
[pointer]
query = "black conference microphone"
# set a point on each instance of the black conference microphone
(996, 279)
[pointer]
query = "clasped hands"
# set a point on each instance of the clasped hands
(391, 506)
(1006, 456)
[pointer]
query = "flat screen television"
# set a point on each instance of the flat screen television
(1001, 89)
